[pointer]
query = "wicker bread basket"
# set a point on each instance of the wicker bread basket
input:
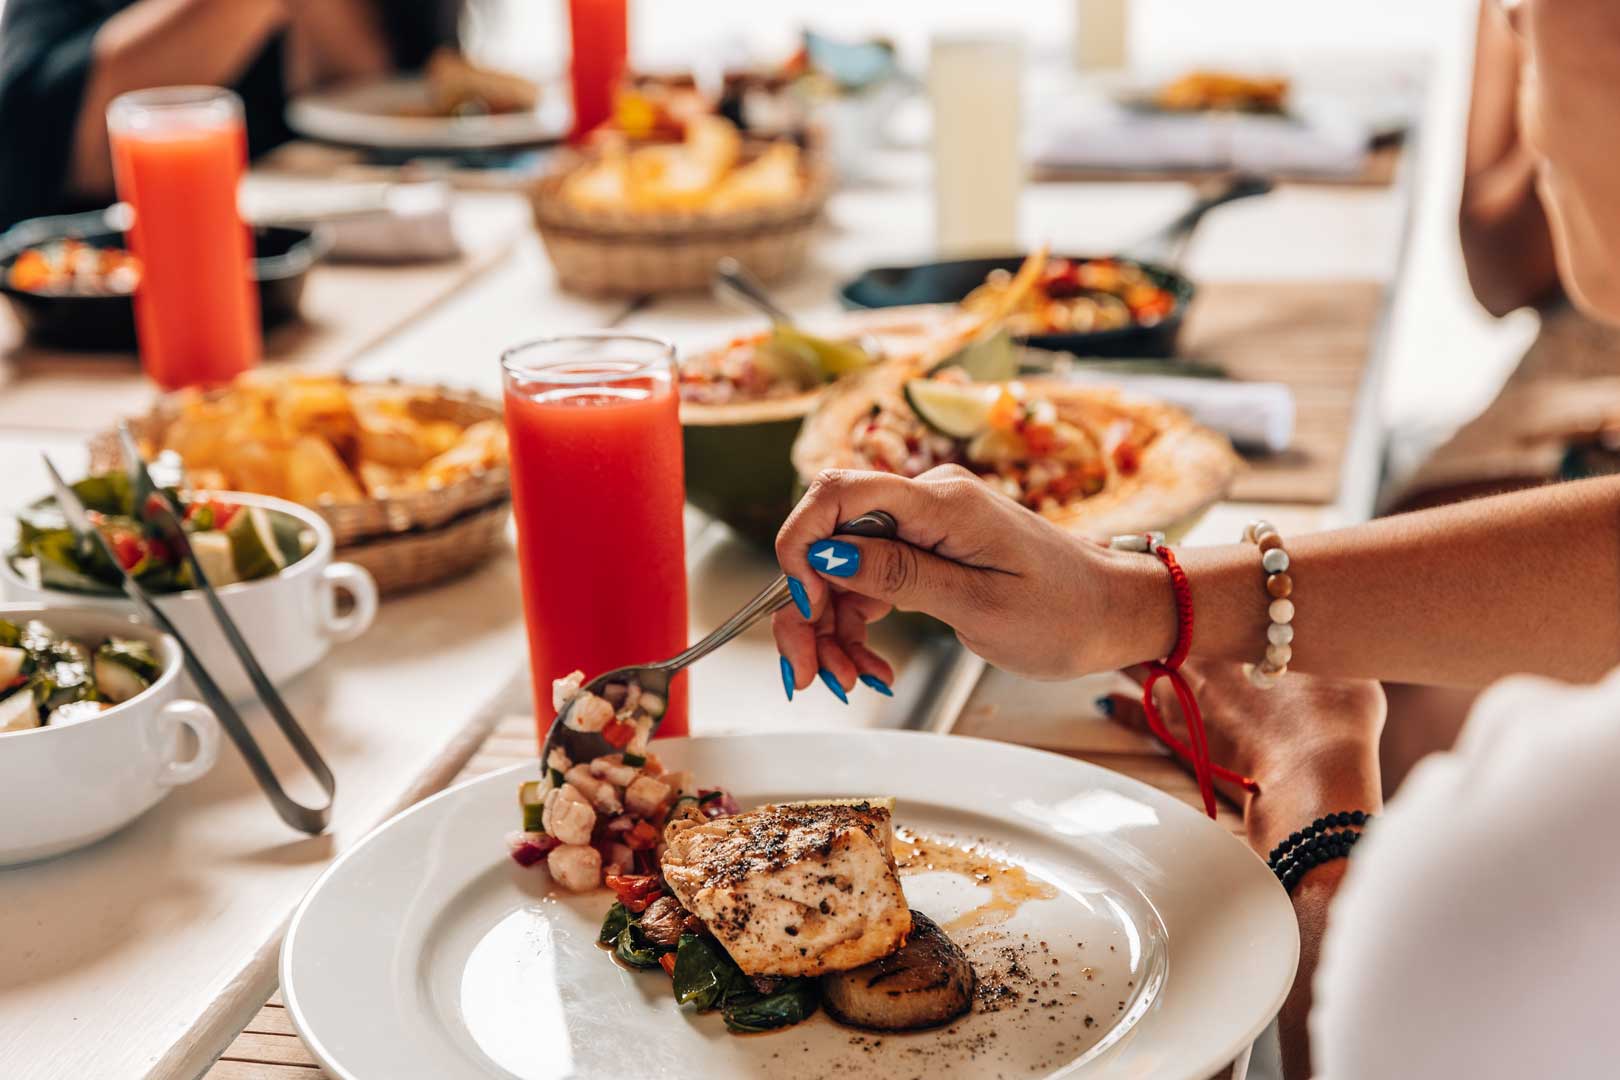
(368, 519)
(407, 540)
(632, 253)
(410, 560)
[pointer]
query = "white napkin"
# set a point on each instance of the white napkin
(1083, 132)
(1256, 415)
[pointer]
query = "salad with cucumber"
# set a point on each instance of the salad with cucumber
(46, 678)
(232, 542)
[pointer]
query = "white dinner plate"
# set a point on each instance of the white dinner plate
(380, 115)
(424, 951)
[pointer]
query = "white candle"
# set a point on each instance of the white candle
(978, 172)
(1101, 34)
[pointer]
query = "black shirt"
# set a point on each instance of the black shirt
(45, 61)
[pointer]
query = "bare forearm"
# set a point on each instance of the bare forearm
(163, 43)
(1571, 122)
(1294, 794)
(1506, 239)
(1459, 595)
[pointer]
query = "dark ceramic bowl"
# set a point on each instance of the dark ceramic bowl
(948, 282)
(281, 263)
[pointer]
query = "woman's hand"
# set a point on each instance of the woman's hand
(1019, 591)
(1312, 743)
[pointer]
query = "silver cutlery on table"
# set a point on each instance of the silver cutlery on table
(153, 505)
(655, 678)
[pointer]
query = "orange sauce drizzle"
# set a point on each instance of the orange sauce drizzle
(1010, 886)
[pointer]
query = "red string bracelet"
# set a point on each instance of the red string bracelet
(1197, 753)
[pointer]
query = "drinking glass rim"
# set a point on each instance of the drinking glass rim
(168, 100)
(664, 360)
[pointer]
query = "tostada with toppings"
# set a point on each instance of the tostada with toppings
(1092, 459)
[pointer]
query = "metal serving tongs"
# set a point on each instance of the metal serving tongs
(153, 505)
(655, 678)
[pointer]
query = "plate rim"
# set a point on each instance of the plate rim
(1160, 798)
(308, 114)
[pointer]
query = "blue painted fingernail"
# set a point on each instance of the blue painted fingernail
(835, 558)
(800, 599)
(1105, 705)
(877, 684)
(832, 684)
(787, 677)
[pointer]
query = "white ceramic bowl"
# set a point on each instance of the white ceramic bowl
(67, 785)
(289, 620)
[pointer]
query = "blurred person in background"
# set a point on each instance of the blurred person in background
(1518, 145)
(62, 61)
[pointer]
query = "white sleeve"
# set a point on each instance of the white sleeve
(1478, 932)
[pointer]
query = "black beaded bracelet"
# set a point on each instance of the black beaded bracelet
(1340, 820)
(1321, 848)
(1329, 837)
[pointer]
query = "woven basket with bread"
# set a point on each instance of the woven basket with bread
(413, 480)
(627, 220)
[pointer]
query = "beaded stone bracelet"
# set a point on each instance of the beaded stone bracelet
(1327, 838)
(1279, 587)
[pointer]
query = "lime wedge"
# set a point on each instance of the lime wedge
(989, 358)
(831, 358)
(951, 408)
(786, 356)
(253, 544)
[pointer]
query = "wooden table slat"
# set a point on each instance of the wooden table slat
(1316, 336)
(228, 1069)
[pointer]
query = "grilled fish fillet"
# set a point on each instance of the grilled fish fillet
(796, 889)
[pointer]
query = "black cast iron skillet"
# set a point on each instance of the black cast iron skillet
(281, 262)
(1157, 256)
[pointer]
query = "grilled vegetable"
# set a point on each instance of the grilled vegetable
(926, 982)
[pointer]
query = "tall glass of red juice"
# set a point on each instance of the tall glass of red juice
(178, 155)
(601, 44)
(595, 431)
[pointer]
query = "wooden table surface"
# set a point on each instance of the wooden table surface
(269, 1047)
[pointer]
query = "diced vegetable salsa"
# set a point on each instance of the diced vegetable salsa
(603, 822)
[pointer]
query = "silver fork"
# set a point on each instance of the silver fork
(582, 746)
